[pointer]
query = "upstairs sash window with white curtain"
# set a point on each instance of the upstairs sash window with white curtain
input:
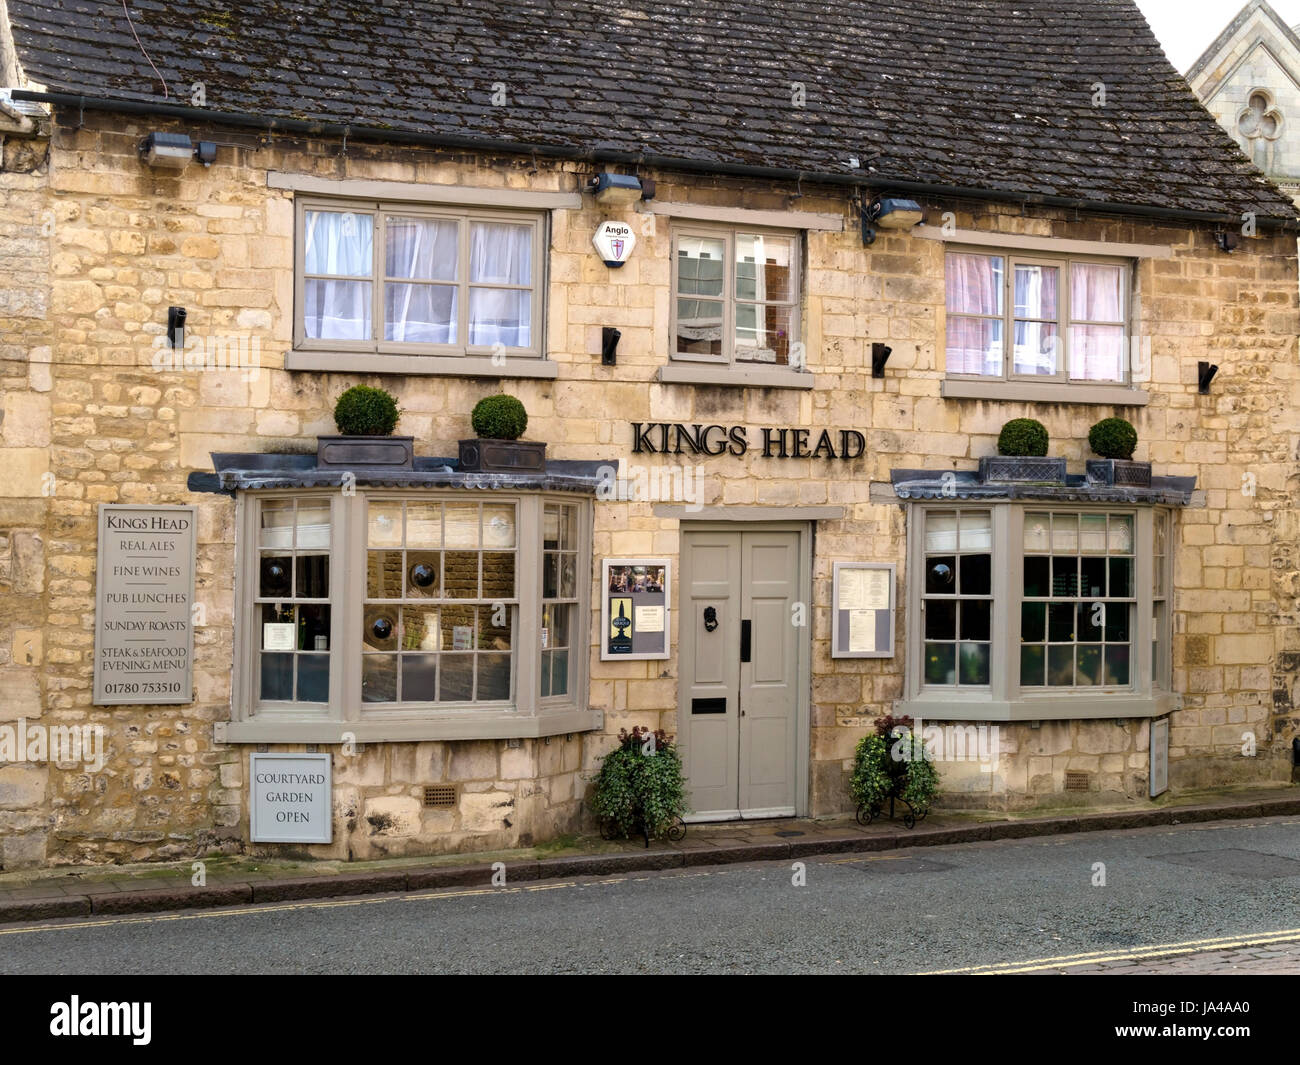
(1033, 318)
(412, 280)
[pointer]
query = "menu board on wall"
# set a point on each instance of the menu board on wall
(634, 608)
(862, 610)
(144, 598)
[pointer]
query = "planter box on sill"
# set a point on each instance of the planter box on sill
(365, 452)
(1119, 473)
(486, 455)
(1022, 469)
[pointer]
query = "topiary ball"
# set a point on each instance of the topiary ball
(1023, 436)
(366, 411)
(1113, 438)
(499, 418)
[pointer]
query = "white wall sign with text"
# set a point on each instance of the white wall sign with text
(614, 241)
(289, 798)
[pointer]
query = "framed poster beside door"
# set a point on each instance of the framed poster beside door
(634, 608)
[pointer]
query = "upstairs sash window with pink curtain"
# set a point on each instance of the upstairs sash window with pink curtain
(1097, 317)
(450, 282)
(1030, 317)
(974, 285)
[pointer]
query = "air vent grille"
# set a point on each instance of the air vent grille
(440, 795)
(1077, 781)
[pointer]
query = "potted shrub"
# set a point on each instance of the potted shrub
(1021, 457)
(1115, 440)
(366, 418)
(640, 788)
(893, 765)
(499, 422)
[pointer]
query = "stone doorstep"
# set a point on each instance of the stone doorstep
(120, 896)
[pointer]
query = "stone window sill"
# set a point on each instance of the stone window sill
(1043, 392)
(477, 726)
(734, 376)
(432, 365)
(1047, 707)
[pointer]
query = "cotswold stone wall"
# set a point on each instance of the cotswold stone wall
(126, 242)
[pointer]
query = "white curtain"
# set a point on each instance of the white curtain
(1096, 295)
(500, 254)
(340, 244)
(974, 286)
(1035, 343)
(428, 249)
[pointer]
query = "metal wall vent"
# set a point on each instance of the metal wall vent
(1077, 781)
(440, 795)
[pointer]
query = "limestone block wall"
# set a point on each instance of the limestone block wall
(127, 242)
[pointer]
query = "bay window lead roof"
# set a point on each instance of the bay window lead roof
(1066, 99)
(244, 471)
(967, 485)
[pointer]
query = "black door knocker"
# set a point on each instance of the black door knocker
(710, 619)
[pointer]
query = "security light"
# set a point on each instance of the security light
(616, 190)
(174, 150)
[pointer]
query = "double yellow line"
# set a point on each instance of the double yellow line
(1159, 950)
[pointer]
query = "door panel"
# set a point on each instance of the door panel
(740, 762)
(710, 670)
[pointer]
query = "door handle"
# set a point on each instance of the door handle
(744, 641)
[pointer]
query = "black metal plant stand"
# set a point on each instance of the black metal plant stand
(676, 831)
(868, 814)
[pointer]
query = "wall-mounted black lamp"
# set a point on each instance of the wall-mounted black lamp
(176, 327)
(879, 356)
(609, 338)
(888, 212)
(1227, 240)
(1204, 375)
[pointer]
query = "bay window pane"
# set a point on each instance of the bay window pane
(1117, 665)
(498, 526)
(457, 685)
(378, 678)
(313, 678)
(276, 523)
(1033, 622)
(976, 574)
(1065, 532)
(975, 618)
(313, 627)
(975, 663)
(1036, 536)
(1038, 580)
(313, 576)
(1093, 576)
(1060, 665)
(940, 663)
(423, 524)
(384, 526)
(940, 533)
(379, 628)
(500, 253)
(977, 530)
(493, 677)
(1121, 578)
(940, 620)
(460, 575)
(383, 574)
(458, 628)
(277, 677)
(496, 628)
(1065, 576)
(1088, 665)
(419, 678)
(462, 525)
(421, 314)
(1121, 534)
(498, 574)
(500, 316)
(422, 569)
(940, 575)
(419, 630)
(1031, 665)
(1092, 533)
(425, 248)
(275, 575)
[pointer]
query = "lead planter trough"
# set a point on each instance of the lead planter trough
(1119, 473)
(365, 452)
(487, 455)
(1022, 469)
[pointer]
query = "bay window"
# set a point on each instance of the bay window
(1033, 611)
(410, 615)
(1022, 317)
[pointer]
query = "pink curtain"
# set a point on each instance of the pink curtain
(1096, 295)
(974, 286)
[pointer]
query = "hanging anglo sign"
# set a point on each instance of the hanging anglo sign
(614, 241)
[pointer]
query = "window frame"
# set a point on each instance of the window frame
(526, 714)
(381, 211)
(1064, 321)
(1004, 699)
(727, 359)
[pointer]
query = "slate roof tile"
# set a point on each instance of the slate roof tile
(994, 94)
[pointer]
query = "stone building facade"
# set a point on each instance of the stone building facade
(97, 411)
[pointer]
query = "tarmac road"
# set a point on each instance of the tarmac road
(1034, 902)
